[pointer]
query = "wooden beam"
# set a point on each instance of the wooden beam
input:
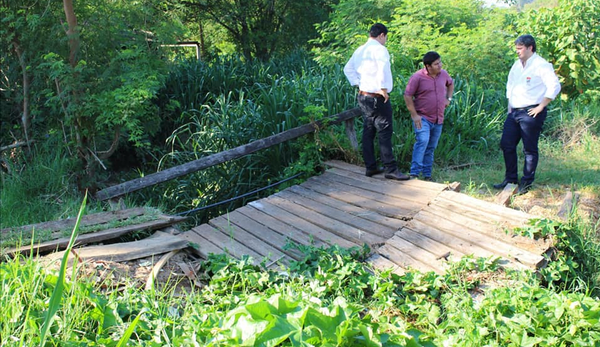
(219, 158)
(569, 200)
(504, 197)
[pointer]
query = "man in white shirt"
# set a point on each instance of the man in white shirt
(531, 86)
(369, 69)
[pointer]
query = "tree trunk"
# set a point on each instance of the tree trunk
(25, 117)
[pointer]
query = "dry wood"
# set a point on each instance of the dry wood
(341, 216)
(305, 226)
(440, 250)
(228, 244)
(99, 236)
(336, 191)
(338, 228)
(402, 259)
(507, 213)
(382, 264)
(16, 145)
(354, 210)
(200, 245)
(506, 194)
(422, 256)
(157, 267)
(288, 231)
(496, 246)
(351, 133)
(87, 220)
(128, 250)
(219, 158)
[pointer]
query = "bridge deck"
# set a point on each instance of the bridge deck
(408, 224)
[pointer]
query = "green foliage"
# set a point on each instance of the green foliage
(568, 35)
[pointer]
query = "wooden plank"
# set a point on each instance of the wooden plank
(221, 157)
(460, 199)
(506, 194)
(382, 264)
(464, 246)
(388, 190)
(118, 252)
(282, 228)
(336, 227)
(99, 236)
(359, 172)
(247, 239)
(402, 259)
(69, 223)
(200, 245)
(423, 257)
(360, 201)
(493, 229)
(440, 250)
(373, 216)
(266, 235)
(341, 216)
(307, 227)
(228, 244)
(494, 245)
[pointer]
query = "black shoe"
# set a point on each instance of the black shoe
(371, 173)
(524, 188)
(397, 175)
(429, 179)
(503, 184)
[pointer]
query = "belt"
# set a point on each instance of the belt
(525, 108)
(373, 95)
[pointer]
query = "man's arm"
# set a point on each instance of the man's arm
(410, 105)
(449, 93)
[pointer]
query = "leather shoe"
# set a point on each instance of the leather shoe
(370, 173)
(503, 184)
(397, 175)
(523, 188)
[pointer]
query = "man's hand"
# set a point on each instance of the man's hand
(533, 112)
(385, 95)
(417, 120)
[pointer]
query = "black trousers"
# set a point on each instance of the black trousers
(521, 126)
(377, 120)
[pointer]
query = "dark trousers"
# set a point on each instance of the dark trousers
(377, 120)
(521, 126)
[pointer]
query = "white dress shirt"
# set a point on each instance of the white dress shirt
(530, 84)
(369, 68)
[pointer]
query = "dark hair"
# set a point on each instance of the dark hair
(526, 40)
(377, 29)
(430, 57)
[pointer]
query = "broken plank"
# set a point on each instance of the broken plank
(98, 236)
(126, 251)
(506, 194)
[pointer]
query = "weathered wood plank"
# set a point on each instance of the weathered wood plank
(307, 227)
(382, 264)
(496, 246)
(262, 232)
(228, 244)
(359, 172)
(288, 231)
(440, 250)
(493, 229)
(125, 251)
(403, 259)
(566, 207)
(69, 223)
(506, 194)
(221, 157)
(388, 190)
(393, 223)
(343, 230)
(201, 245)
(99, 236)
(247, 239)
(488, 207)
(346, 218)
(430, 260)
(337, 192)
(462, 245)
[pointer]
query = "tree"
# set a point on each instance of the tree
(259, 28)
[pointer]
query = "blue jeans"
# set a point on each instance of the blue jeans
(521, 126)
(377, 120)
(427, 140)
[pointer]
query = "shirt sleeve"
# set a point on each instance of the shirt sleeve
(351, 73)
(550, 81)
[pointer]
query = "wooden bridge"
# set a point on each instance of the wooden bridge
(407, 224)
